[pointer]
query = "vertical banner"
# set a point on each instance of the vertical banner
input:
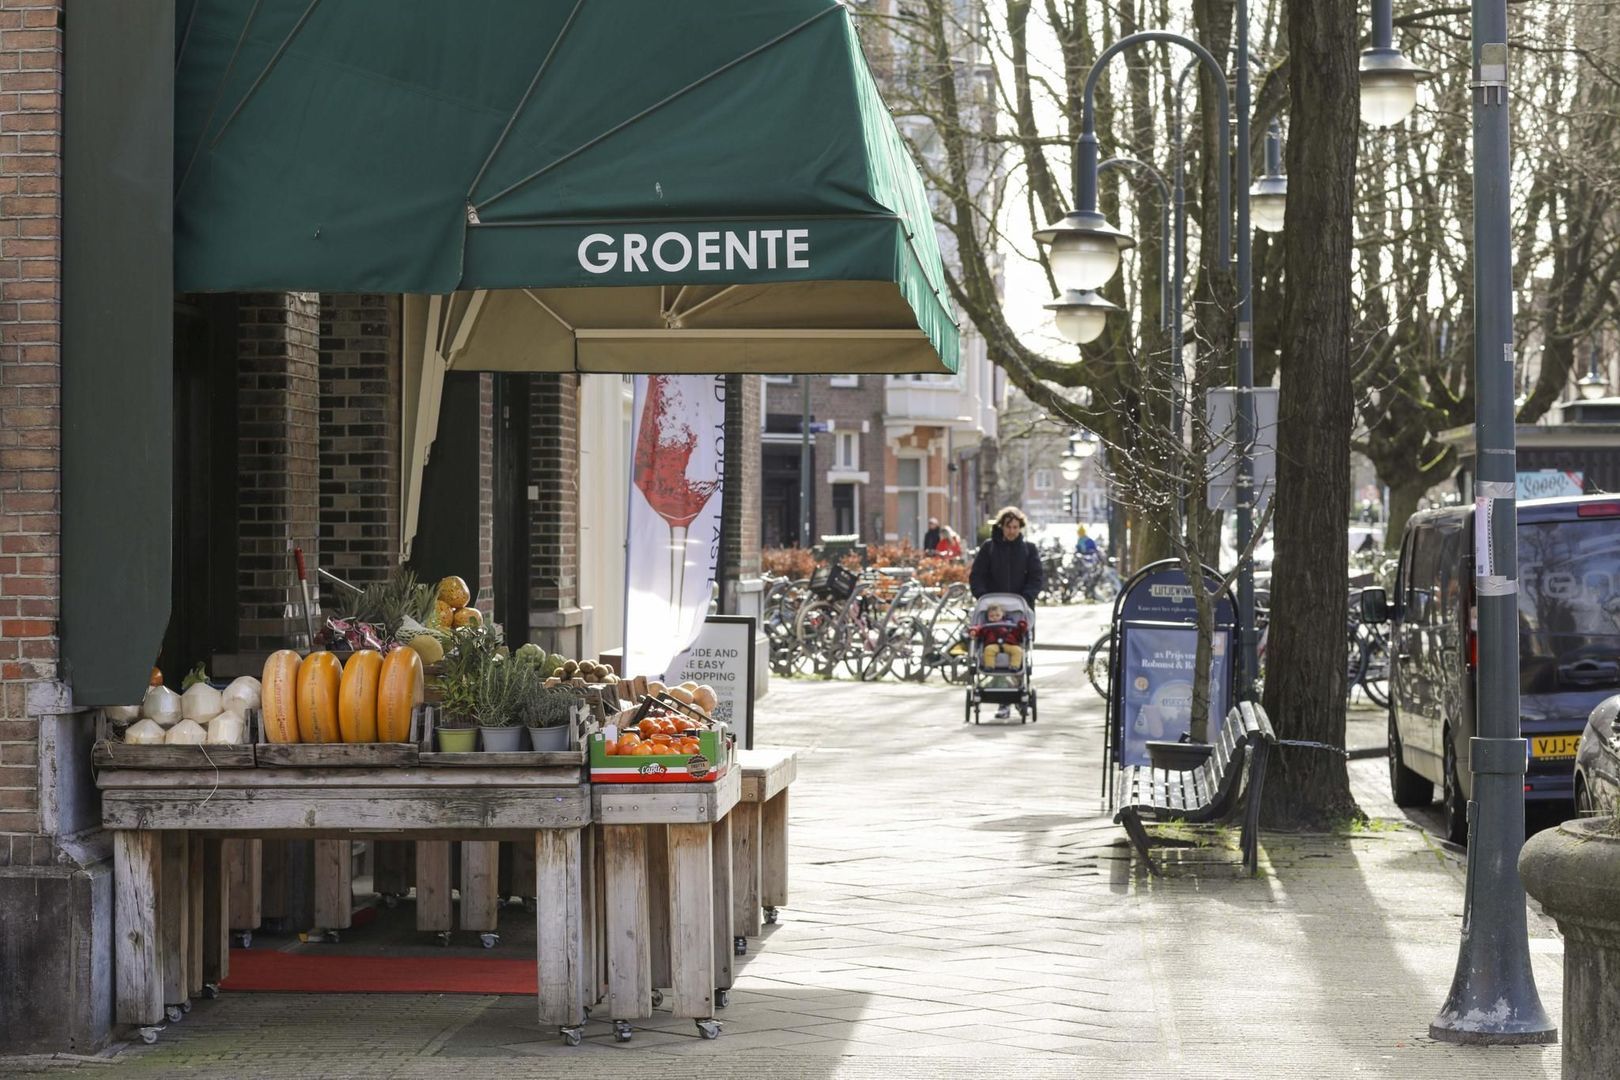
(677, 465)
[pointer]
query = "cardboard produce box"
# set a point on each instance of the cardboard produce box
(708, 764)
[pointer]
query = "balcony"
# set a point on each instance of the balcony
(942, 400)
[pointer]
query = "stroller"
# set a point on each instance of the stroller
(996, 679)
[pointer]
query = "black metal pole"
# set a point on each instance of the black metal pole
(804, 462)
(1245, 369)
(1493, 997)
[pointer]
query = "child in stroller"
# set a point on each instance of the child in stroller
(1002, 640)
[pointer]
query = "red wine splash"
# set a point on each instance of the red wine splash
(663, 452)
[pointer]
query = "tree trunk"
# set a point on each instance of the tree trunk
(1403, 503)
(1305, 665)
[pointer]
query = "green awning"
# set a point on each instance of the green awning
(605, 185)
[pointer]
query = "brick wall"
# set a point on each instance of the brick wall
(740, 518)
(278, 399)
(360, 436)
(30, 396)
(486, 494)
(554, 472)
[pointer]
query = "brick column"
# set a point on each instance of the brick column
(360, 373)
(555, 616)
(486, 494)
(278, 397)
(30, 414)
(740, 517)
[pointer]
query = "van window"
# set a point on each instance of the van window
(1569, 604)
(1424, 578)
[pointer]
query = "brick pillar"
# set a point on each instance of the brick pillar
(30, 413)
(486, 494)
(740, 517)
(360, 373)
(278, 398)
(555, 618)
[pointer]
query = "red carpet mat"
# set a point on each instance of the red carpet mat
(266, 969)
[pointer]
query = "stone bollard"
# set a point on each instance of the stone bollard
(1574, 871)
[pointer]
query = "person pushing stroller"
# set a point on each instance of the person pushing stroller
(1007, 563)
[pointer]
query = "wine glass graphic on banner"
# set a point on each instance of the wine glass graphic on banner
(664, 448)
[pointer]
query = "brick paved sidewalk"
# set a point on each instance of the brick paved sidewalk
(962, 907)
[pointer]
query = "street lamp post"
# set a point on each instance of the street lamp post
(1085, 250)
(1493, 997)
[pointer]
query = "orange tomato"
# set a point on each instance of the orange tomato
(683, 724)
(609, 747)
(644, 750)
(648, 727)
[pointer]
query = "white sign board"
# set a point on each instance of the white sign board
(722, 658)
(1221, 414)
(1551, 484)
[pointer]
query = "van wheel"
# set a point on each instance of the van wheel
(1455, 806)
(1405, 786)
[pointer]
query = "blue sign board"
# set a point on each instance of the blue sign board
(1157, 678)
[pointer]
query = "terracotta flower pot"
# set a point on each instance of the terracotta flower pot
(1574, 871)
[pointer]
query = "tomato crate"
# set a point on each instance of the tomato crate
(716, 746)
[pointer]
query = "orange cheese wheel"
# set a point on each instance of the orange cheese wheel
(400, 688)
(318, 679)
(357, 697)
(278, 697)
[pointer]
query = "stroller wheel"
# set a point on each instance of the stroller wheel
(1032, 716)
(967, 709)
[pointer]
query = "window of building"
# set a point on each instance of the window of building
(844, 381)
(908, 487)
(846, 450)
(846, 509)
(1043, 479)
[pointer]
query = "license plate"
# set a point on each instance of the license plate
(1554, 746)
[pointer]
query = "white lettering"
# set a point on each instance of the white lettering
(708, 251)
(658, 252)
(748, 255)
(770, 236)
(798, 249)
(634, 245)
(597, 264)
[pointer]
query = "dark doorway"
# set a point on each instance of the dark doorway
(779, 484)
(447, 531)
(203, 608)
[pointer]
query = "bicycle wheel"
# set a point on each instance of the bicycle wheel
(817, 633)
(1097, 664)
(1106, 587)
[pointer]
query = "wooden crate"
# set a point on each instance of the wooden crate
(339, 755)
(110, 751)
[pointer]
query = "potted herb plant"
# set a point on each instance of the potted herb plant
(470, 651)
(500, 687)
(546, 711)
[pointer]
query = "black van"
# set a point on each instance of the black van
(1569, 646)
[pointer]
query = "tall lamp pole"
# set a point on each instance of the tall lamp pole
(1493, 997)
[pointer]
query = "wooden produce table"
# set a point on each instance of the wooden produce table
(667, 896)
(166, 953)
(759, 859)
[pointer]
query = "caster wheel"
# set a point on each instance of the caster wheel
(722, 998)
(185, 1006)
(739, 945)
(709, 1029)
(621, 1031)
(572, 1035)
(244, 940)
(444, 938)
(210, 991)
(770, 915)
(529, 905)
(149, 1035)
(390, 900)
(489, 940)
(173, 1013)
(657, 998)
(331, 937)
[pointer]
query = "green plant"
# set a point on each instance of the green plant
(497, 692)
(469, 652)
(389, 602)
(547, 706)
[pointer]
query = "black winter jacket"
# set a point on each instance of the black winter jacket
(1007, 566)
